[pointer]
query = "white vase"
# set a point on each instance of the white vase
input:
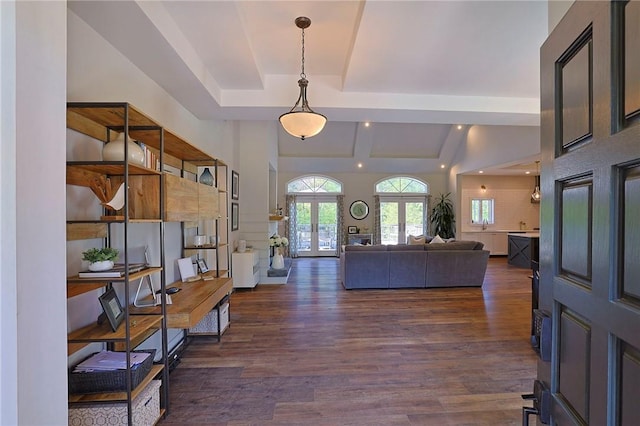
(114, 151)
(103, 265)
(278, 260)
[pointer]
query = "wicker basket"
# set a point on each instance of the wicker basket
(110, 381)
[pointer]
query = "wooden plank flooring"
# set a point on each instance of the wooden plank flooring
(311, 353)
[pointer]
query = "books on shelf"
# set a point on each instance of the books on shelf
(117, 271)
(151, 159)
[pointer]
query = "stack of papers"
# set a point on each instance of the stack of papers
(110, 361)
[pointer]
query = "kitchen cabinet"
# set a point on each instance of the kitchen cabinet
(523, 248)
(494, 241)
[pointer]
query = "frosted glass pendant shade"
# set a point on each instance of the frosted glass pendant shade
(302, 124)
(114, 151)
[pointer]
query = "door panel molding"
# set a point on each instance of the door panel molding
(575, 97)
(575, 233)
(628, 385)
(574, 364)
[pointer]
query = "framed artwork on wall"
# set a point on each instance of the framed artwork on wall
(234, 216)
(235, 185)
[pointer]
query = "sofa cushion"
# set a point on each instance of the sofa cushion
(437, 240)
(404, 247)
(418, 239)
(456, 245)
(365, 248)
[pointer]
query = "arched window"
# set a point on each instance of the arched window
(314, 185)
(401, 185)
(402, 207)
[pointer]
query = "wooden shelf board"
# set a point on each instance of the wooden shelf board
(134, 276)
(193, 302)
(76, 290)
(277, 217)
(139, 325)
(118, 396)
(75, 347)
(121, 346)
(79, 173)
(86, 230)
(203, 247)
(93, 119)
(106, 114)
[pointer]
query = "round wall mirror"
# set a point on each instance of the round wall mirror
(359, 209)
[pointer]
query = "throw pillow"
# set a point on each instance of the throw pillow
(437, 240)
(418, 240)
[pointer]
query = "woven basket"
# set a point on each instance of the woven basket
(110, 381)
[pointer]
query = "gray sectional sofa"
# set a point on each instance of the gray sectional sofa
(452, 264)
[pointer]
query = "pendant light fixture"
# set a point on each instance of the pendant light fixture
(304, 122)
(536, 195)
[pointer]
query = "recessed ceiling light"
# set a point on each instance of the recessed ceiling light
(481, 171)
(359, 165)
(459, 127)
(442, 166)
(367, 124)
(527, 172)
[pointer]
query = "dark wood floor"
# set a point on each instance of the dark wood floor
(311, 353)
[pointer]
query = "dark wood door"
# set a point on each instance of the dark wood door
(590, 213)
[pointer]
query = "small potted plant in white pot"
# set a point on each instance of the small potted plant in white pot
(100, 259)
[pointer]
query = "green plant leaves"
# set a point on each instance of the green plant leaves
(100, 254)
(443, 217)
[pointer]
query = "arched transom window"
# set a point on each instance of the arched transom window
(314, 185)
(401, 185)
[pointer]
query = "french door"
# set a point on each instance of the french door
(316, 226)
(401, 217)
(589, 239)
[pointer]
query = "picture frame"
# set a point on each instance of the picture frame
(202, 266)
(112, 308)
(352, 229)
(359, 210)
(235, 185)
(234, 216)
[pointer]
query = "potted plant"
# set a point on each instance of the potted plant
(443, 217)
(101, 259)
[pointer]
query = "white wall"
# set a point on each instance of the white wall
(256, 142)
(38, 288)
(8, 281)
(361, 186)
(490, 146)
(512, 202)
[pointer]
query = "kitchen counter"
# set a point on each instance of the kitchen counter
(526, 234)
